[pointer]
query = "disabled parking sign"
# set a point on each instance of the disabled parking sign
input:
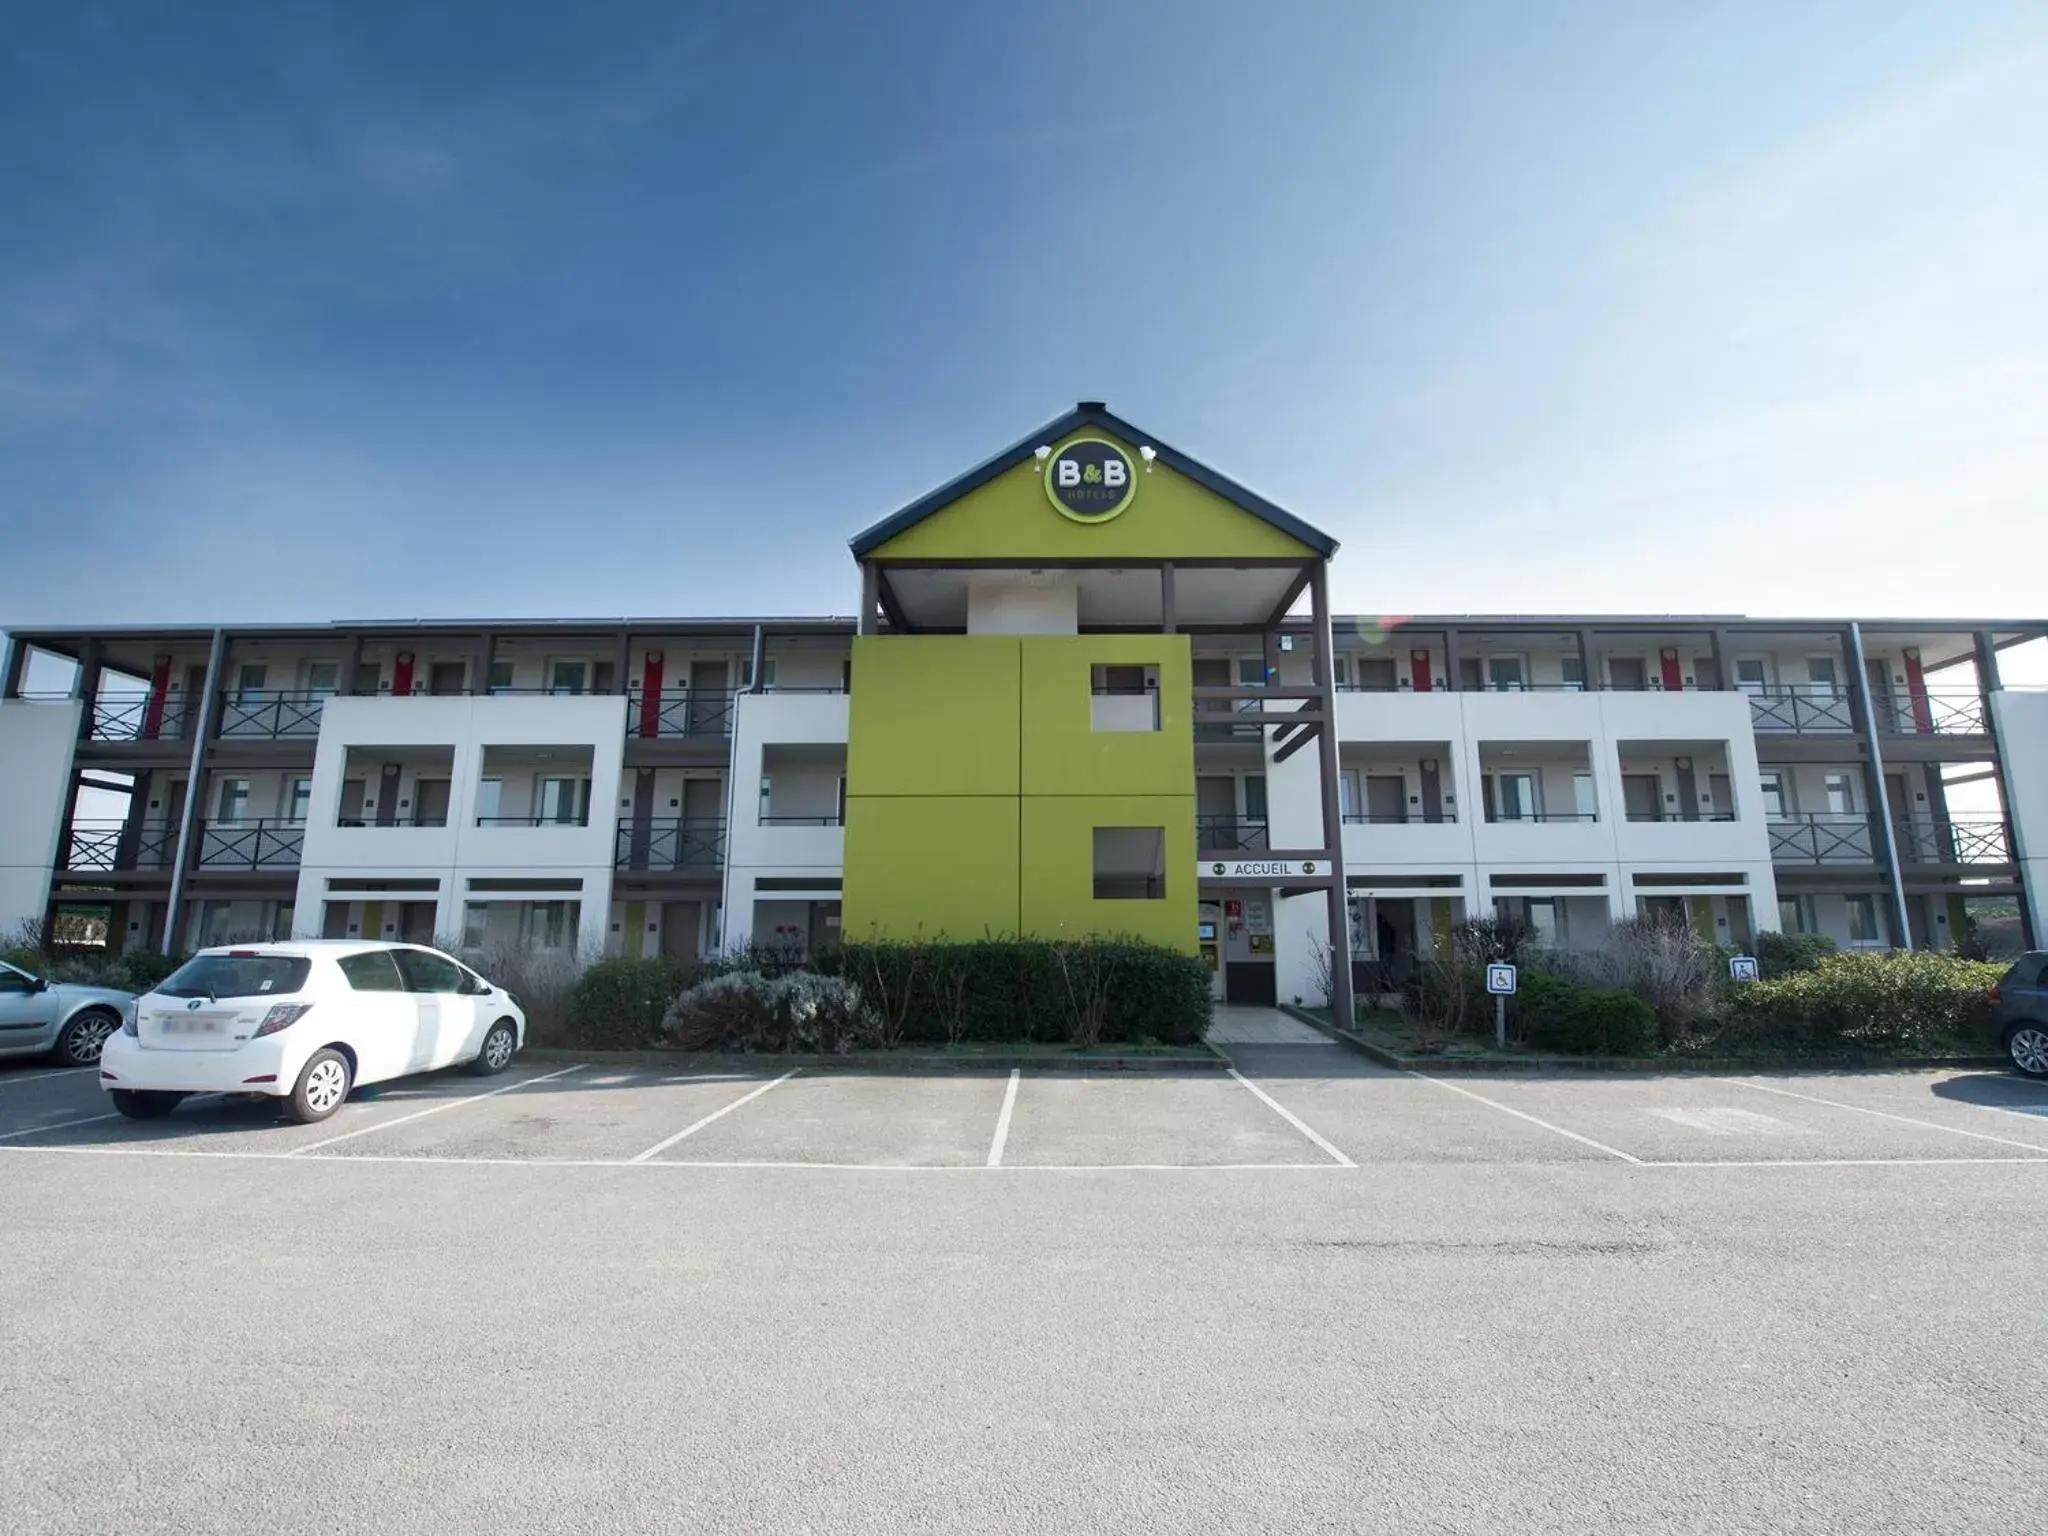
(1500, 980)
(1742, 967)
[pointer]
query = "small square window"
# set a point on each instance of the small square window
(1123, 697)
(1130, 863)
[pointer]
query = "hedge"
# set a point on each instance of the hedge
(1787, 954)
(1556, 1014)
(1914, 1000)
(1074, 992)
(1077, 993)
(619, 1003)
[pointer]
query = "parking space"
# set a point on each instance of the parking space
(1289, 1106)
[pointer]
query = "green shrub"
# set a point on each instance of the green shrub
(798, 1011)
(619, 1003)
(1071, 992)
(1556, 1014)
(1913, 1000)
(1787, 954)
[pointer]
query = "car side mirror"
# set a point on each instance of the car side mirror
(38, 984)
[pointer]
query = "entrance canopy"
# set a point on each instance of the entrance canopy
(1102, 524)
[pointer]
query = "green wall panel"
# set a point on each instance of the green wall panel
(934, 715)
(930, 866)
(1063, 754)
(1057, 897)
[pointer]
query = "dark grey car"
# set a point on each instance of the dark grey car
(2022, 998)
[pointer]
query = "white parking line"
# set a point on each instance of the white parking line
(716, 1114)
(424, 1158)
(431, 1109)
(1991, 1160)
(1882, 1114)
(1294, 1120)
(1597, 1146)
(36, 1077)
(61, 1125)
(1002, 1137)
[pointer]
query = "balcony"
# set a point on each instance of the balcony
(97, 847)
(1816, 710)
(1517, 817)
(141, 719)
(1954, 840)
(1400, 818)
(1681, 815)
(676, 714)
(518, 821)
(271, 717)
(670, 844)
(1823, 837)
(1952, 712)
(1231, 834)
(251, 845)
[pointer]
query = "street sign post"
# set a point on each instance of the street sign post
(1500, 981)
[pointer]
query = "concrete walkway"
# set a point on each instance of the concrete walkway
(1241, 1024)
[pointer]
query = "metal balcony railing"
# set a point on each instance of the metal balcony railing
(1681, 816)
(531, 821)
(258, 844)
(1579, 816)
(1216, 834)
(422, 819)
(671, 843)
(680, 713)
(270, 716)
(1950, 712)
(105, 846)
(1823, 837)
(1816, 708)
(800, 821)
(142, 719)
(1399, 818)
(1962, 839)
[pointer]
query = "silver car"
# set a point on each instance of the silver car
(69, 1022)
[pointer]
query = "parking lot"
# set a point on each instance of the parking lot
(1292, 1108)
(1308, 1294)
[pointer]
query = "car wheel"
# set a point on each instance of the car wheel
(500, 1041)
(322, 1088)
(2027, 1045)
(86, 1036)
(139, 1105)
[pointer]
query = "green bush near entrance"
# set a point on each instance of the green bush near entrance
(1555, 1014)
(1896, 1000)
(618, 1003)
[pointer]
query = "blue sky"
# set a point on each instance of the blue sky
(375, 310)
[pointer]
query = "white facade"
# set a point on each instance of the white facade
(36, 742)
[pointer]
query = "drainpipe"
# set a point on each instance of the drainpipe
(190, 815)
(1902, 928)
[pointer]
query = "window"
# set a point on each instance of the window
(1574, 673)
(323, 678)
(1752, 675)
(219, 976)
(1820, 677)
(1777, 796)
(501, 677)
(298, 799)
(1642, 796)
(549, 924)
(1795, 914)
(1340, 671)
(1251, 671)
(488, 795)
(1546, 926)
(249, 681)
(767, 673)
(234, 801)
(1840, 789)
(1627, 673)
(1583, 803)
(558, 802)
(1862, 919)
(426, 972)
(1515, 797)
(447, 677)
(1255, 797)
(1130, 863)
(475, 924)
(16, 982)
(374, 971)
(1373, 674)
(767, 795)
(1504, 674)
(1123, 697)
(567, 676)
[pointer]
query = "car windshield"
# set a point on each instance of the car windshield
(219, 976)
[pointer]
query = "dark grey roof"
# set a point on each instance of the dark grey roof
(1091, 413)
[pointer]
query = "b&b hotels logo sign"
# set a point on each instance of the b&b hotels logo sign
(1090, 480)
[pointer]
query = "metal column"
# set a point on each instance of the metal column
(190, 815)
(1343, 1010)
(1881, 828)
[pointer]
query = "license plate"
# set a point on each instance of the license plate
(192, 1024)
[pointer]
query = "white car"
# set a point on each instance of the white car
(306, 1022)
